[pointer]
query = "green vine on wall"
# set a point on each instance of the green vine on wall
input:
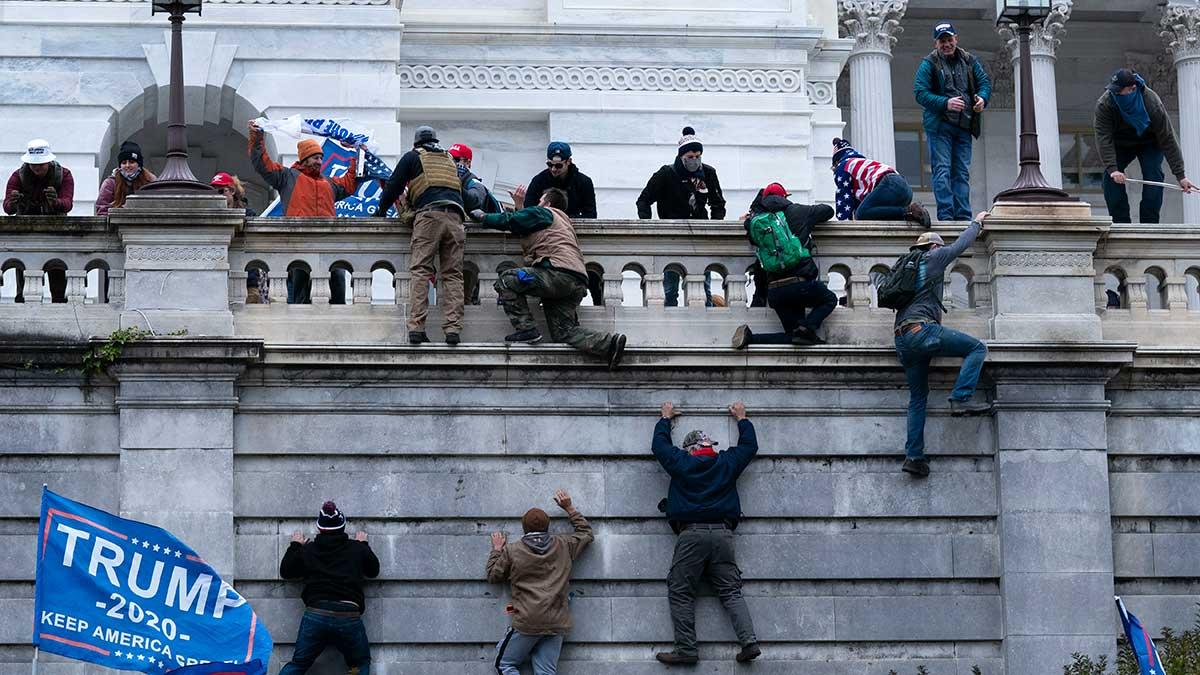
(98, 359)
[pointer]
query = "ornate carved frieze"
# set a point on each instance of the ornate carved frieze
(175, 253)
(821, 93)
(600, 78)
(1045, 37)
(874, 24)
(1180, 24)
(1056, 260)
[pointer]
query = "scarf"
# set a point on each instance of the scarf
(1133, 107)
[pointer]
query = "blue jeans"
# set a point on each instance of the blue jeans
(671, 283)
(791, 303)
(1150, 158)
(516, 648)
(317, 631)
(950, 158)
(887, 201)
(915, 351)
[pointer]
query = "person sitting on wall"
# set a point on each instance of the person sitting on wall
(686, 189)
(703, 508)
(1132, 123)
(129, 177)
(537, 568)
(40, 186)
(562, 173)
(334, 568)
(871, 190)
(555, 272)
(781, 233)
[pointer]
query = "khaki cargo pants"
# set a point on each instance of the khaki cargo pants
(437, 233)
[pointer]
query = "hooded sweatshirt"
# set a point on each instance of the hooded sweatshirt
(333, 567)
(538, 568)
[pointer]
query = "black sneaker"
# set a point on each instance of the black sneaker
(416, 337)
(804, 336)
(673, 657)
(916, 467)
(748, 653)
(969, 407)
(530, 336)
(616, 351)
(741, 336)
(453, 338)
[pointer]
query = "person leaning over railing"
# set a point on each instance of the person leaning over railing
(867, 189)
(129, 177)
(41, 186)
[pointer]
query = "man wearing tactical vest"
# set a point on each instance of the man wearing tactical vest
(435, 194)
(781, 233)
(554, 271)
(42, 186)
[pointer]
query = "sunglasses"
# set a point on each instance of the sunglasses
(555, 165)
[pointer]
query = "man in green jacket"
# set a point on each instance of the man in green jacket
(1132, 123)
(554, 271)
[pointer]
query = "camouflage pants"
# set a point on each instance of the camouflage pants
(561, 293)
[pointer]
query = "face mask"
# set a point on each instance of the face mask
(130, 175)
(691, 163)
(462, 171)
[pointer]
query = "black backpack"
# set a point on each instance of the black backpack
(898, 286)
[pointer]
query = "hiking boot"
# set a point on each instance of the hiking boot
(748, 653)
(416, 337)
(741, 336)
(916, 214)
(804, 336)
(969, 407)
(453, 338)
(916, 467)
(616, 351)
(674, 657)
(529, 336)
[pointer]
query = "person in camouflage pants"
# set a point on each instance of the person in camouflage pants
(554, 271)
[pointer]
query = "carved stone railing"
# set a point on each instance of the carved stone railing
(1148, 283)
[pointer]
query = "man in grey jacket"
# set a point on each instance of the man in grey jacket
(920, 337)
(1132, 123)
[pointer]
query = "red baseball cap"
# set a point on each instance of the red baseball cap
(460, 151)
(221, 180)
(774, 190)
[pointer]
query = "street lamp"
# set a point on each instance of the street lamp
(176, 176)
(1031, 185)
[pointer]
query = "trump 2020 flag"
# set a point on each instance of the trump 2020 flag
(131, 596)
(362, 204)
(1148, 660)
(255, 667)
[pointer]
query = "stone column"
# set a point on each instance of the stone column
(1181, 30)
(873, 24)
(1043, 44)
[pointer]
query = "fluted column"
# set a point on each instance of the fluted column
(1180, 26)
(873, 24)
(1043, 45)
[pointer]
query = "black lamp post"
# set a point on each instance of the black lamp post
(1031, 185)
(176, 176)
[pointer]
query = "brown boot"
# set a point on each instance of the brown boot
(917, 215)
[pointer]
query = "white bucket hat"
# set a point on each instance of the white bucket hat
(38, 152)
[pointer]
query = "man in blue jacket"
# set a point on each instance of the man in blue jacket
(953, 88)
(703, 509)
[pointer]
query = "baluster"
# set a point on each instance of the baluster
(654, 290)
(735, 290)
(403, 283)
(1101, 292)
(981, 290)
(362, 283)
(116, 287)
(237, 287)
(33, 287)
(320, 287)
(694, 285)
(76, 279)
(1135, 289)
(614, 289)
(487, 288)
(1176, 295)
(277, 287)
(860, 291)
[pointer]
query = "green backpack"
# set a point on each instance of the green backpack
(778, 249)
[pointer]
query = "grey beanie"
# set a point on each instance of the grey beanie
(425, 134)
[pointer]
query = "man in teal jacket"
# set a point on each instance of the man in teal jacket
(953, 88)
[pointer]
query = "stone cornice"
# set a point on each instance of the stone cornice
(1045, 37)
(1180, 24)
(873, 24)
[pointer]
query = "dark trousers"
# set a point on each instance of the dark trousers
(792, 302)
(889, 199)
(671, 283)
(561, 293)
(1150, 158)
(317, 631)
(705, 551)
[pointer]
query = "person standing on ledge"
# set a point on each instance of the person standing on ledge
(1132, 123)
(538, 569)
(41, 186)
(554, 271)
(562, 173)
(435, 194)
(129, 177)
(703, 508)
(687, 189)
(333, 568)
(920, 336)
(871, 190)
(953, 88)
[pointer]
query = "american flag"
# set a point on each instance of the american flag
(373, 167)
(854, 179)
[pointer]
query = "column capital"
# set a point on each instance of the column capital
(1045, 37)
(1180, 29)
(874, 24)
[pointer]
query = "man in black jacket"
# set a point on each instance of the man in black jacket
(333, 568)
(560, 173)
(704, 509)
(793, 291)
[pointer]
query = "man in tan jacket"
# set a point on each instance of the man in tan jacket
(538, 568)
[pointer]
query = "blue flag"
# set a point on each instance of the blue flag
(1148, 660)
(255, 667)
(362, 204)
(131, 596)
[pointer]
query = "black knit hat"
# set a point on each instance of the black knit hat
(131, 150)
(330, 519)
(689, 142)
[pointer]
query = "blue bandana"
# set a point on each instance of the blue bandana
(1133, 106)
